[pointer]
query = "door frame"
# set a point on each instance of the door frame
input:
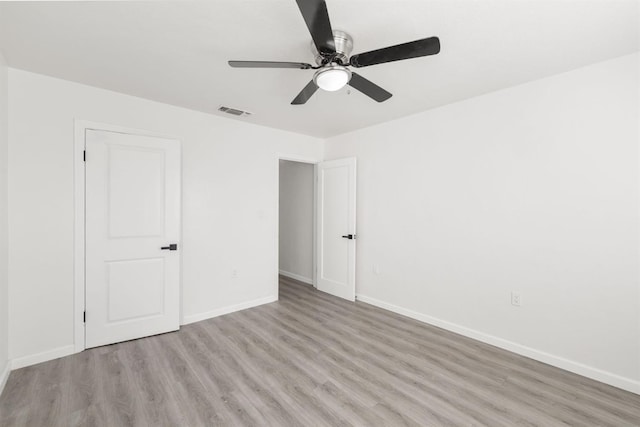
(314, 162)
(79, 222)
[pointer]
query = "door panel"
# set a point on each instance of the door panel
(145, 299)
(136, 191)
(132, 210)
(337, 218)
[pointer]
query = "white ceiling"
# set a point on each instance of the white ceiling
(177, 52)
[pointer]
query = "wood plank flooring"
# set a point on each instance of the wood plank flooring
(307, 360)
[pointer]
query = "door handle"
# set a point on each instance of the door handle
(171, 247)
(349, 236)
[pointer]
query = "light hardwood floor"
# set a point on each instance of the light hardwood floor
(308, 360)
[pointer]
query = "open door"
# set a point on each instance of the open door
(336, 222)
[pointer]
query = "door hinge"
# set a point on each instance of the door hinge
(84, 317)
(84, 156)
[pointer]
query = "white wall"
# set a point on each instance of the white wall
(4, 308)
(531, 189)
(296, 220)
(230, 204)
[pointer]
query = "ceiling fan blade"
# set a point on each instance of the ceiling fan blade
(370, 89)
(316, 16)
(269, 64)
(415, 49)
(305, 94)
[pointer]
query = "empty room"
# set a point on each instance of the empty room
(320, 213)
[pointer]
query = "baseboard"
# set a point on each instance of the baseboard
(192, 318)
(297, 277)
(4, 375)
(550, 359)
(45, 356)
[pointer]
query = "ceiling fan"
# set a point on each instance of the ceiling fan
(332, 50)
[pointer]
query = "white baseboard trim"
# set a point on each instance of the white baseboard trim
(192, 318)
(45, 356)
(297, 277)
(4, 376)
(541, 356)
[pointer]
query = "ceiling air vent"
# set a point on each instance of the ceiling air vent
(233, 111)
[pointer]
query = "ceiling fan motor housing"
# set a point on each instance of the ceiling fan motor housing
(344, 46)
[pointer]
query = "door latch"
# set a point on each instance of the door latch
(349, 236)
(171, 247)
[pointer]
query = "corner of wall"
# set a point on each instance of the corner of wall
(4, 375)
(4, 228)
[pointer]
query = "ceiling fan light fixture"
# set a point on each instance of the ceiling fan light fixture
(332, 78)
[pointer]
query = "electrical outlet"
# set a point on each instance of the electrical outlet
(376, 269)
(234, 273)
(516, 299)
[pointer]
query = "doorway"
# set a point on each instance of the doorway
(317, 224)
(296, 221)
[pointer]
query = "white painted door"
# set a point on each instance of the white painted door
(132, 211)
(336, 222)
